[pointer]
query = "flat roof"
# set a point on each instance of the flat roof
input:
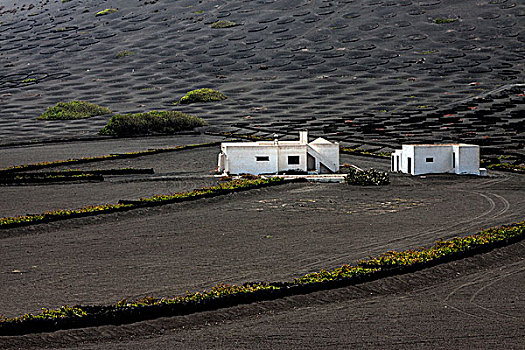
(441, 144)
(263, 143)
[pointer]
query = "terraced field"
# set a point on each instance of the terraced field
(368, 74)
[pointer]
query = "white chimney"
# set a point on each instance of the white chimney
(303, 137)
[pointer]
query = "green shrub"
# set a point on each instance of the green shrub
(105, 12)
(223, 24)
(124, 53)
(369, 177)
(74, 110)
(201, 95)
(154, 122)
(444, 20)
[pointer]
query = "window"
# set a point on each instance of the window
(429, 160)
(262, 158)
(292, 160)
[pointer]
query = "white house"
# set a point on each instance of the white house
(273, 157)
(437, 159)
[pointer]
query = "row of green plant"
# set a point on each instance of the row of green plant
(60, 214)
(42, 165)
(154, 122)
(217, 291)
(370, 177)
(50, 314)
(72, 172)
(239, 136)
(67, 175)
(508, 167)
(221, 187)
(386, 264)
(363, 152)
(32, 178)
(444, 248)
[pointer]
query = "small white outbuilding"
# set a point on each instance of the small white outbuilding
(273, 157)
(457, 158)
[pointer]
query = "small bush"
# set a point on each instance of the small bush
(202, 95)
(223, 24)
(444, 20)
(74, 110)
(154, 122)
(124, 53)
(369, 177)
(105, 12)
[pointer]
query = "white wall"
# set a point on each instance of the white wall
(441, 156)
(407, 152)
(289, 150)
(245, 161)
(396, 164)
(329, 151)
(468, 160)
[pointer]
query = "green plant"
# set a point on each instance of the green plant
(49, 177)
(201, 95)
(42, 165)
(444, 248)
(444, 20)
(363, 152)
(124, 53)
(389, 264)
(105, 12)
(74, 110)
(61, 214)
(369, 177)
(223, 24)
(508, 167)
(29, 80)
(154, 122)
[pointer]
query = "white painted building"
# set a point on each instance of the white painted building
(273, 157)
(436, 159)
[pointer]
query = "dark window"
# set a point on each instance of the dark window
(429, 160)
(392, 163)
(293, 159)
(453, 160)
(262, 158)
